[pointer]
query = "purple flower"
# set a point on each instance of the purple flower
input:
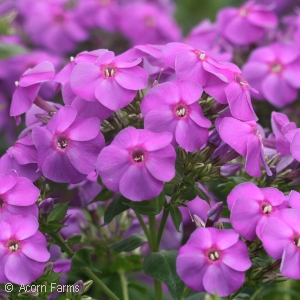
(145, 23)
(111, 81)
(273, 71)
(253, 19)
(68, 146)
(235, 92)
(23, 249)
(214, 261)
(17, 195)
(245, 138)
(294, 200)
(194, 64)
(281, 240)
(173, 107)
(137, 163)
(251, 207)
(28, 87)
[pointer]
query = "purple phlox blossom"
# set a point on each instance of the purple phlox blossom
(235, 91)
(205, 36)
(102, 14)
(111, 81)
(53, 27)
(251, 207)
(293, 200)
(74, 224)
(230, 169)
(255, 19)
(87, 191)
(68, 146)
(194, 64)
(281, 239)
(293, 137)
(23, 249)
(137, 163)
(246, 139)
(173, 107)
(28, 86)
(143, 23)
(273, 71)
(17, 195)
(214, 261)
(152, 62)
(21, 157)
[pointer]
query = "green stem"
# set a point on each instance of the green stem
(61, 243)
(185, 293)
(143, 225)
(158, 290)
(152, 232)
(161, 228)
(124, 285)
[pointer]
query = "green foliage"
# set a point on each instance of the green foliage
(130, 243)
(176, 216)
(104, 195)
(82, 259)
(8, 50)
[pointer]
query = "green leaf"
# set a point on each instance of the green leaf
(162, 266)
(82, 259)
(8, 50)
(189, 193)
(200, 193)
(176, 216)
(169, 186)
(75, 239)
(118, 205)
(59, 211)
(148, 207)
(127, 263)
(104, 195)
(130, 243)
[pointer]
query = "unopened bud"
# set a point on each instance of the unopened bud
(155, 83)
(213, 215)
(198, 221)
(49, 268)
(46, 206)
(274, 174)
(230, 169)
(256, 273)
(78, 287)
(87, 285)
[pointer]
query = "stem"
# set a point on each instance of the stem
(158, 290)
(161, 228)
(185, 293)
(124, 285)
(143, 225)
(104, 288)
(152, 232)
(61, 243)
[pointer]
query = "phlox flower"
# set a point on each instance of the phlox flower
(214, 261)
(251, 207)
(137, 163)
(173, 107)
(23, 249)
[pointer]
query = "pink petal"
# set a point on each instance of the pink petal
(277, 91)
(84, 79)
(236, 257)
(196, 114)
(127, 64)
(112, 95)
(161, 163)
(201, 239)
(265, 19)
(35, 247)
(40, 73)
(134, 78)
(127, 138)
(22, 226)
(8, 180)
(290, 264)
(112, 163)
(83, 129)
(294, 200)
(291, 72)
(224, 239)
(20, 269)
(190, 91)
(273, 195)
(151, 141)
(105, 58)
(215, 88)
(16, 195)
(253, 157)
(138, 184)
(294, 147)
(5, 232)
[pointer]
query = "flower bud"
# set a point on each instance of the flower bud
(49, 268)
(78, 287)
(213, 215)
(46, 206)
(230, 169)
(198, 221)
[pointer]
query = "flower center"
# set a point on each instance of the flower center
(1, 202)
(276, 67)
(266, 208)
(138, 155)
(257, 133)
(109, 71)
(241, 80)
(213, 255)
(297, 241)
(61, 142)
(244, 11)
(150, 21)
(13, 245)
(181, 110)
